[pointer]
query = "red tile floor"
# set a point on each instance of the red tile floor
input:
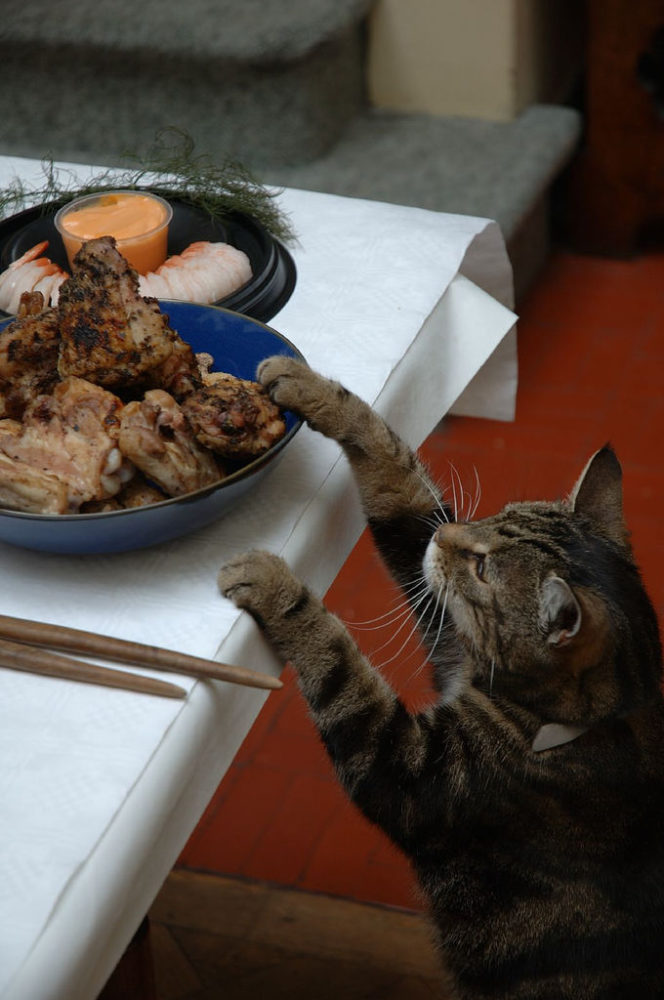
(591, 362)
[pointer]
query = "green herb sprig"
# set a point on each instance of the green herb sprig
(170, 169)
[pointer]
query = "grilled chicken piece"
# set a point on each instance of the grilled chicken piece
(100, 506)
(139, 493)
(110, 335)
(28, 356)
(156, 437)
(31, 490)
(179, 374)
(233, 417)
(71, 435)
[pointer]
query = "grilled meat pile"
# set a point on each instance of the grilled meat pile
(104, 406)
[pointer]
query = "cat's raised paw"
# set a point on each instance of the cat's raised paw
(261, 583)
(292, 385)
(276, 372)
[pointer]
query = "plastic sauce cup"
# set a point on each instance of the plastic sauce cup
(137, 220)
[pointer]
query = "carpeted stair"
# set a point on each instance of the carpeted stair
(263, 81)
(502, 171)
(280, 87)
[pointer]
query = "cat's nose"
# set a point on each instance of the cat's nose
(452, 534)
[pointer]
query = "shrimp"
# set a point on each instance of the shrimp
(31, 273)
(204, 272)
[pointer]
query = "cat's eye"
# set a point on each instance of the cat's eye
(478, 559)
(479, 566)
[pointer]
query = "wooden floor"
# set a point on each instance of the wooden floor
(216, 938)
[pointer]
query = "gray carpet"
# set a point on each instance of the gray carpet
(469, 166)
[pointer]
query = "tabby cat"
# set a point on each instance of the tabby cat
(530, 797)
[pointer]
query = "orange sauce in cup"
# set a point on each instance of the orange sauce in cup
(138, 221)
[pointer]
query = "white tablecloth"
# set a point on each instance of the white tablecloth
(99, 789)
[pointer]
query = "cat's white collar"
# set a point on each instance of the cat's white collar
(555, 734)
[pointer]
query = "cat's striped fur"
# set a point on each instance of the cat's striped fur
(544, 871)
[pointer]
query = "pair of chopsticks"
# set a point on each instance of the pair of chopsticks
(25, 645)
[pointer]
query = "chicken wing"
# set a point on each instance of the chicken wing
(156, 437)
(110, 335)
(139, 493)
(30, 490)
(71, 434)
(233, 417)
(179, 374)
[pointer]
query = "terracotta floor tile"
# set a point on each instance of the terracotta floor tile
(295, 830)
(229, 832)
(265, 722)
(297, 752)
(293, 717)
(346, 852)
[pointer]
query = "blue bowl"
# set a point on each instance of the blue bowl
(238, 344)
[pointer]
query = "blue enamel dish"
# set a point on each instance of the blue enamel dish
(238, 344)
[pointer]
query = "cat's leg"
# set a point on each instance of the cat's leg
(382, 754)
(400, 501)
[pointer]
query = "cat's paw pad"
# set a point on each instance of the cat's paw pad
(260, 583)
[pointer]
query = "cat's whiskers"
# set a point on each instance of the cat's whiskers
(478, 494)
(413, 592)
(438, 497)
(411, 611)
(493, 668)
(453, 474)
(406, 640)
(407, 594)
(442, 616)
(468, 505)
(433, 520)
(432, 616)
(432, 646)
(464, 502)
(390, 617)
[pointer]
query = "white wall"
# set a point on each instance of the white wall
(478, 58)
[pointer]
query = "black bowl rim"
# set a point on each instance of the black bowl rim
(194, 495)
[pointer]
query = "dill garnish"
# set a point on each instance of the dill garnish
(170, 169)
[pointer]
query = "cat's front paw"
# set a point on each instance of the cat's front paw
(260, 583)
(283, 378)
(294, 386)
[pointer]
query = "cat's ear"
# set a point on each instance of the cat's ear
(559, 612)
(598, 495)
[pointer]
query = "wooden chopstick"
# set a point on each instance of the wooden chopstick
(73, 640)
(20, 656)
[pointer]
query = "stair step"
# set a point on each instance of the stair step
(261, 81)
(496, 170)
(467, 166)
(253, 31)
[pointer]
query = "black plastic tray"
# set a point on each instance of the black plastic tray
(273, 268)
